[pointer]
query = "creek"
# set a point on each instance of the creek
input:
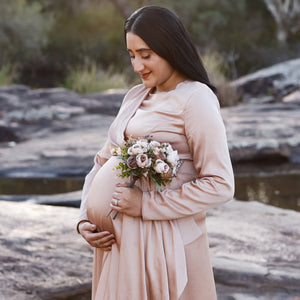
(277, 189)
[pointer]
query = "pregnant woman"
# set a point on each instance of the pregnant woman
(156, 248)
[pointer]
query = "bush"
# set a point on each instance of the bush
(216, 69)
(23, 31)
(90, 80)
(93, 32)
(8, 74)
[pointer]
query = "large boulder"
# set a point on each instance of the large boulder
(53, 109)
(272, 83)
(264, 133)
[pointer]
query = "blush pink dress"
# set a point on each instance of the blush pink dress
(164, 254)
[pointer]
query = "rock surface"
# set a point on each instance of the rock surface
(256, 133)
(274, 82)
(264, 132)
(255, 250)
(55, 131)
(255, 256)
(42, 257)
(36, 113)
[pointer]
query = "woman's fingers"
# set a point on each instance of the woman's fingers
(103, 239)
(105, 242)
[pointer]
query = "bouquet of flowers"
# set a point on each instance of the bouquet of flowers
(147, 158)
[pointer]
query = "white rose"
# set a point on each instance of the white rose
(135, 149)
(143, 161)
(143, 144)
(156, 151)
(129, 151)
(167, 148)
(161, 167)
(173, 158)
(154, 144)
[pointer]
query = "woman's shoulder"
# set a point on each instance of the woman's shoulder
(197, 93)
(191, 87)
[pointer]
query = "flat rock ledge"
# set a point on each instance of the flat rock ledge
(255, 252)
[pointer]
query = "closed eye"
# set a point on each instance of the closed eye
(143, 57)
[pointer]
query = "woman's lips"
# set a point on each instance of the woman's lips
(145, 75)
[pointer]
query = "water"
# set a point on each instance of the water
(39, 186)
(277, 190)
(281, 190)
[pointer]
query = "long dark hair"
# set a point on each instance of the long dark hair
(165, 34)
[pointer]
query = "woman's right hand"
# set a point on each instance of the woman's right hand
(103, 239)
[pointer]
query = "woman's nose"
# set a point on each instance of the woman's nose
(138, 66)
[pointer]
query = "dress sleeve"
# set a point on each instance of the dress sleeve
(214, 184)
(100, 158)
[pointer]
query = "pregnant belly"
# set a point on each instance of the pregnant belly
(100, 195)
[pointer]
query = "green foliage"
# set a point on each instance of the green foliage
(8, 74)
(230, 27)
(216, 68)
(93, 33)
(89, 80)
(23, 31)
(50, 40)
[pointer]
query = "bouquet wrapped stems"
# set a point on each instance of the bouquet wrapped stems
(130, 185)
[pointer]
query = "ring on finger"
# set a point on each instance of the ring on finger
(97, 243)
(116, 202)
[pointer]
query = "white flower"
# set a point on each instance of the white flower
(143, 161)
(119, 151)
(143, 144)
(173, 158)
(135, 149)
(116, 151)
(156, 151)
(161, 167)
(167, 148)
(154, 144)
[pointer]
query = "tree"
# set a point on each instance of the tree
(286, 14)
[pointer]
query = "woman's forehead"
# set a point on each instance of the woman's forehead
(134, 42)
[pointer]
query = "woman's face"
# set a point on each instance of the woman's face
(154, 70)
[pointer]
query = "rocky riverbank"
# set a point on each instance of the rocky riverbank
(254, 247)
(55, 132)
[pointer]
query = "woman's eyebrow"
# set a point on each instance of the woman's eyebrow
(140, 50)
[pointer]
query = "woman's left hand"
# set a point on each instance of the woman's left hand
(128, 200)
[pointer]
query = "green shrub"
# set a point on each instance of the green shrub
(90, 80)
(23, 31)
(216, 69)
(8, 74)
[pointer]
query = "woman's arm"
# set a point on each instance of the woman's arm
(206, 137)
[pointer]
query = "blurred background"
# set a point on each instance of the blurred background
(72, 43)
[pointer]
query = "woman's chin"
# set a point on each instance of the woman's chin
(148, 84)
